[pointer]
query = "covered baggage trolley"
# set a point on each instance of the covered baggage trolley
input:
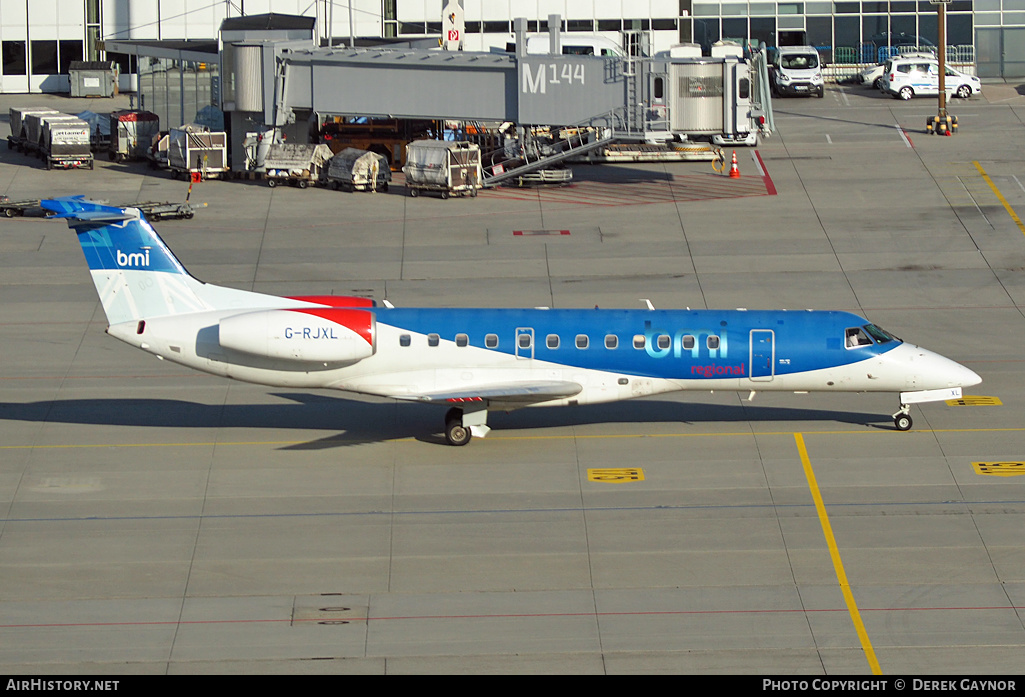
(192, 149)
(358, 170)
(131, 134)
(292, 163)
(448, 167)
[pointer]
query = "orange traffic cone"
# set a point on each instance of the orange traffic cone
(734, 170)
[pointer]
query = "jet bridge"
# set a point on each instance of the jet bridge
(601, 99)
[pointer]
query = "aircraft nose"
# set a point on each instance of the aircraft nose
(944, 372)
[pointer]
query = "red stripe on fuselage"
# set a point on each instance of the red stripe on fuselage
(335, 300)
(359, 321)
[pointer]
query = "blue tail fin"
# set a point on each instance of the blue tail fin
(135, 274)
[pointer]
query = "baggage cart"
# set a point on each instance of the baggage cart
(11, 209)
(442, 166)
(358, 170)
(131, 134)
(165, 210)
(295, 164)
(193, 150)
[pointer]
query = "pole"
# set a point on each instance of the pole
(942, 12)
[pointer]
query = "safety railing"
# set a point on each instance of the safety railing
(851, 60)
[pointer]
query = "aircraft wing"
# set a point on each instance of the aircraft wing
(518, 393)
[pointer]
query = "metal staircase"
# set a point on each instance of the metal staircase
(536, 155)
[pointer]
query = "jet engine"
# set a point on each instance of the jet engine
(308, 335)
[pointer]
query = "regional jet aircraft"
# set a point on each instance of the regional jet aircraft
(476, 360)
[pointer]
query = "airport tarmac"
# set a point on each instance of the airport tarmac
(157, 520)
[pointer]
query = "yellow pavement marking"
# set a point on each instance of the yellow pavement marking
(975, 401)
(620, 475)
(834, 553)
(1007, 206)
(1000, 469)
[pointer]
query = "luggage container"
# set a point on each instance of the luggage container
(19, 135)
(32, 128)
(443, 166)
(192, 149)
(298, 165)
(65, 142)
(358, 170)
(131, 134)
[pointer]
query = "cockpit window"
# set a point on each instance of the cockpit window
(880, 335)
(857, 337)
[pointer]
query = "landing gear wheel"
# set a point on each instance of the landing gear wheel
(455, 432)
(902, 422)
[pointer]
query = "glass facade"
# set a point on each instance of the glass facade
(844, 32)
(177, 90)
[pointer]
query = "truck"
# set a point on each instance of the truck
(194, 149)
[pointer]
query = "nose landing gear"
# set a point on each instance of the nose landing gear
(902, 419)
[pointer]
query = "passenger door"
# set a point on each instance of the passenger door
(762, 355)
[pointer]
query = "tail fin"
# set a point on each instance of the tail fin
(136, 275)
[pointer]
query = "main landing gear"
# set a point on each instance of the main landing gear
(460, 426)
(902, 419)
(455, 432)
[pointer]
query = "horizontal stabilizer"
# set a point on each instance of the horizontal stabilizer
(78, 208)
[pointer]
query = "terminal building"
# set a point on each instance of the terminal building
(40, 39)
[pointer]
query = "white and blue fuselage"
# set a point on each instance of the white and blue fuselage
(480, 359)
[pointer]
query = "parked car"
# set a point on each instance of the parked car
(872, 76)
(904, 78)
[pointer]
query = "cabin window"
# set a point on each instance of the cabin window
(856, 338)
(664, 341)
(611, 341)
(404, 340)
(639, 342)
(688, 342)
(524, 340)
(462, 340)
(433, 339)
(491, 341)
(712, 342)
(582, 341)
(552, 341)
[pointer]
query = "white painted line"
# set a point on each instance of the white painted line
(903, 136)
(828, 139)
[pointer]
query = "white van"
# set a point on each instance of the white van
(797, 70)
(576, 45)
(904, 78)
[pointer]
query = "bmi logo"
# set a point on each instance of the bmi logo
(136, 259)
